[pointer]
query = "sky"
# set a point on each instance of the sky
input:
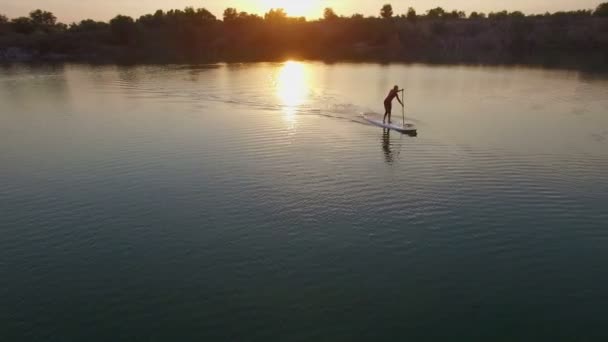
(75, 10)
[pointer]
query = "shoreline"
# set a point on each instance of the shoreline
(587, 63)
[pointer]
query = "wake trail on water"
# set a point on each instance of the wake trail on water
(322, 108)
(318, 102)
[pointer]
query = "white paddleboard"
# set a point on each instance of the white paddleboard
(406, 127)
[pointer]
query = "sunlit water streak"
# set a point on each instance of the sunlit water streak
(250, 202)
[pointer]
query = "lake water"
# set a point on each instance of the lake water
(252, 203)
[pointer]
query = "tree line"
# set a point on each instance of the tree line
(195, 34)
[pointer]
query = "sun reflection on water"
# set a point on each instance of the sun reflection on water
(292, 88)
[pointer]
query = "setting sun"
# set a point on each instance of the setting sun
(293, 8)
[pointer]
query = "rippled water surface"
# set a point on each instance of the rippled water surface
(252, 203)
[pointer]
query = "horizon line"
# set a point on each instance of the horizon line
(307, 17)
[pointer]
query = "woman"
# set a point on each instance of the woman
(388, 103)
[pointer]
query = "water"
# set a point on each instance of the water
(251, 203)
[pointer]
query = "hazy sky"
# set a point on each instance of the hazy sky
(75, 10)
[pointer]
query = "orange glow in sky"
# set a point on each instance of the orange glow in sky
(299, 8)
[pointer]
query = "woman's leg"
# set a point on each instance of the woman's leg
(387, 111)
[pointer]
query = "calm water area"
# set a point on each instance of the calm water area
(251, 202)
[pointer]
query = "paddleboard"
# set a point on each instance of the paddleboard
(407, 127)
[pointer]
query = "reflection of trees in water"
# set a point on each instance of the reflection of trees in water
(160, 80)
(47, 82)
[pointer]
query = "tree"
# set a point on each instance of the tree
(250, 18)
(275, 15)
(357, 16)
(516, 14)
(146, 20)
(601, 10)
(43, 18)
(439, 28)
(329, 14)
(122, 28)
(60, 27)
(159, 16)
(204, 15)
(3, 24)
(435, 13)
(23, 25)
(152, 20)
(498, 15)
(476, 15)
(230, 14)
(88, 25)
(578, 13)
(411, 14)
(387, 11)
(455, 15)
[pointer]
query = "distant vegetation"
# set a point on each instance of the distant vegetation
(438, 35)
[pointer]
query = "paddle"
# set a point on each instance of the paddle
(403, 105)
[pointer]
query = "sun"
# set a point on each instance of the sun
(294, 8)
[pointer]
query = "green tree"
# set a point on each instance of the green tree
(601, 10)
(387, 11)
(230, 14)
(411, 14)
(329, 14)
